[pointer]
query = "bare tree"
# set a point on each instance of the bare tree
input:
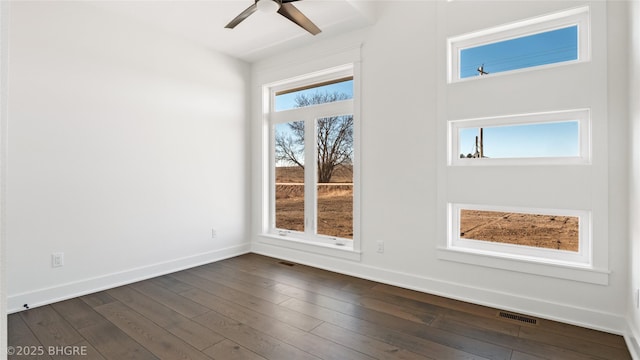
(290, 145)
(334, 138)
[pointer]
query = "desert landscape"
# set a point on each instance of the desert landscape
(335, 215)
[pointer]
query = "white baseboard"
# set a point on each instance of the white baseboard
(631, 338)
(82, 287)
(540, 308)
(589, 318)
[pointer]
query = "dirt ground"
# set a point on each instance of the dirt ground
(335, 215)
(295, 174)
(335, 202)
(335, 209)
(545, 231)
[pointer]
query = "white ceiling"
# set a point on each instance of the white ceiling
(259, 36)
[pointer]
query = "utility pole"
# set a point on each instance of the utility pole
(479, 153)
(481, 143)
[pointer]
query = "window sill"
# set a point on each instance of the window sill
(337, 251)
(506, 262)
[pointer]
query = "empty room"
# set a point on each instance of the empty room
(320, 179)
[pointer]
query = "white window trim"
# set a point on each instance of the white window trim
(594, 275)
(578, 16)
(308, 241)
(333, 73)
(582, 258)
(312, 246)
(319, 111)
(583, 116)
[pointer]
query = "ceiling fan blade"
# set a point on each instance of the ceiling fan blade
(243, 15)
(288, 1)
(292, 13)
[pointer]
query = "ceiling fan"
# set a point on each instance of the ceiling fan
(284, 8)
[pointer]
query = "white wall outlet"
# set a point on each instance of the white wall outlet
(380, 247)
(637, 298)
(214, 233)
(57, 259)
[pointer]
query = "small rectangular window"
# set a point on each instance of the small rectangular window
(552, 39)
(553, 139)
(527, 51)
(547, 235)
(537, 230)
(545, 138)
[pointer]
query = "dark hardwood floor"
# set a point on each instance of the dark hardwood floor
(255, 307)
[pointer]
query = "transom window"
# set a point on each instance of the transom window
(314, 94)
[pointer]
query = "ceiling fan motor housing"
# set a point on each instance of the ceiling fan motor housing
(268, 6)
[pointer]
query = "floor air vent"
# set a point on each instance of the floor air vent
(286, 263)
(519, 318)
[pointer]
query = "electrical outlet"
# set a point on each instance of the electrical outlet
(380, 247)
(214, 233)
(57, 259)
(637, 298)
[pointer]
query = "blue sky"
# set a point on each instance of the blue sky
(533, 50)
(525, 141)
(287, 101)
(540, 140)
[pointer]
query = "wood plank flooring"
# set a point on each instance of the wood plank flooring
(259, 308)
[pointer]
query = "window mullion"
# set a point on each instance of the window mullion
(310, 176)
(272, 178)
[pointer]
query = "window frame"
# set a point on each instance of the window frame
(582, 116)
(336, 246)
(581, 258)
(574, 17)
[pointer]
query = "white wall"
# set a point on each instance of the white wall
(634, 174)
(126, 147)
(4, 20)
(402, 155)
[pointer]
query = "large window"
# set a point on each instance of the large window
(312, 158)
